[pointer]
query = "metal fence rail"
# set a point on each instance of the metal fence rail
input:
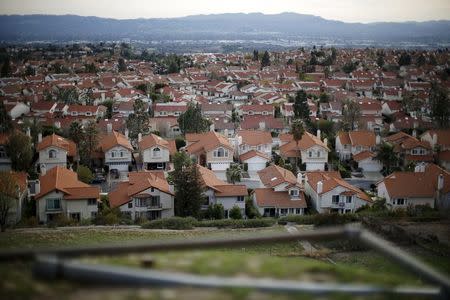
(53, 263)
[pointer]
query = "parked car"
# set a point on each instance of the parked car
(99, 178)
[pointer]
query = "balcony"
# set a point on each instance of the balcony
(155, 206)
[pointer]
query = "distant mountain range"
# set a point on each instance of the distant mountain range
(255, 26)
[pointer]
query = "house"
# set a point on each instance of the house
(210, 149)
(170, 109)
(55, 150)
(258, 140)
(427, 185)
(409, 148)
(437, 137)
(280, 195)
(117, 151)
(254, 161)
(17, 110)
(145, 195)
(257, 109)
(330, 193)
(220, 192)
(354, 142)
(156, 152)
(59, 192)
(312, 151)
(367, 161)
(5, 161)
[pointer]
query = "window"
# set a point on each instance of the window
(358, 148)
(318, 153)
(298, 211)
(141, 202)
(335, 199)
(291, 210)
(414, 151)
(348, 199)
(2, 152)
(309, 153)
(121, 154)
(401, 201)
(92, 201)
(155, 201)
(220, 152)
(293, 192)
(283, 211)
(93, 214)
(240, 199)
(130, 204)
(53, 204)
(52, 154)
(259, 147)
(113, 153)
(156, 152)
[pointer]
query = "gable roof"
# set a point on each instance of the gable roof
(59, 142)
(332, 180)
(152, 140)
(267, 197)
(307, 141)
(221, 188)
(255, 137)
(252, 153)
(137, 183)
(416, 184)
(115, 139)
(198, 142)
(275, 175)
(66, 181)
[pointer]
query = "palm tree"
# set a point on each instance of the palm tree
(297, 131)
(387, 157)
(234, 173)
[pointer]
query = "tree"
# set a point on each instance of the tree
(265, 60)
(301, 107)
(89, 143)
(351, 115)
(380, 61)
(250, 210)
(215, 211)
(255, 55)
(411, 103)
(440, 105)
(405, 59)
(6, 124)
(76, 132)
(19, 151)
(6, 68)
(30, 71)
(109, 108)
(349, 67)
(138, 121)
(84, 174)
(67, 95)
(188, 186)
(234, 173)
(8, 196)
(421, 60)
(192, 121)
(121, 65)
(297, 131)
(235, 213)
(387, 157)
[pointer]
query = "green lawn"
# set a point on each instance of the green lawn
(281, 261)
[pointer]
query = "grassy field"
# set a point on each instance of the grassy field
(281, 261)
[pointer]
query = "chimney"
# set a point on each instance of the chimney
(58, 124)
(109, 128)
(225, 132)
(378, 139)
(435, 140)
(319, 187)
(28, 132)
(139, 137)
(325, 141)
(318, 134)
(300, 178)
(414, 133)
(39, 137)
(440, 183)
(126, 133)
(43, 170)
(262, 125)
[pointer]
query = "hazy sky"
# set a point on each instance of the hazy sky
(344, 10)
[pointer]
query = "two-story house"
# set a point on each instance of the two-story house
(210, 149)
(220, 192)
(117, 151)
(59, 191)
(354, 142)
(312, 151)
(427, 185)
(330, 193)
(55, 150)
(146, 195)
(440, 143)
(156, 152)
(409, 148)
(281, 193)
(169, 109)
(257, 140)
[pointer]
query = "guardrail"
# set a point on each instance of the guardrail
(55, 264)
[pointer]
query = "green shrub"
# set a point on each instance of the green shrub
(176, 223)
(235, 213)
(230, 223)
(215, 211)
(62, 220)
(320, 219)
(86, 222)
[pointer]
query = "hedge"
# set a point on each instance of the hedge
(230, 223)
(176, 223)
(320, 219)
